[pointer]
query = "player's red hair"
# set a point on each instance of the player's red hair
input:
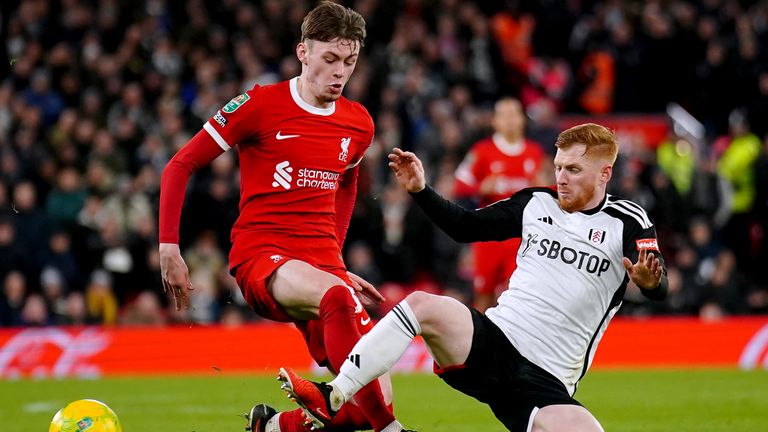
(601, 142)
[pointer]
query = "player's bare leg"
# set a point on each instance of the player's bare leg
(562, 418)
(446, 326)
(299, 288)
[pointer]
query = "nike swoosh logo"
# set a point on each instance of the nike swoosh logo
(365, 321)
(280, 136)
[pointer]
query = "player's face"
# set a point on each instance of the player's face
(509, 118)
(326, 67)
(579, 178)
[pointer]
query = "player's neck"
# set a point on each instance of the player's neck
(595, 202)
(510, 145)
(306, 94)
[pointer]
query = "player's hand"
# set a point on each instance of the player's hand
(646, 272)
(408, 170)
(365, 289)
(175, 274)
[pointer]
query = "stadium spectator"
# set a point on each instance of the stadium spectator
(31, 224)
(65, 201)
(761, 208)
(14, 295)
(34, 313)
(406, 236)
(54, 293)
(495, 168)
(100, 298)
(12, 256)
(41, 95)
(76, 311)
(738, 152)
(144, 310)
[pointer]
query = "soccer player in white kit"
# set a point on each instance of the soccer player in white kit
(524, 358)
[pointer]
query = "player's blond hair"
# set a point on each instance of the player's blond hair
(329, 21)
(601, 142)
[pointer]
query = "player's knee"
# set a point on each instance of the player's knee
(421, 304)
(336, 296)
(561, 418)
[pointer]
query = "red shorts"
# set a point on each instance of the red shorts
(494, 263)
(252, 277)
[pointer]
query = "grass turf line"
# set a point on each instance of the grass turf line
(625, 400)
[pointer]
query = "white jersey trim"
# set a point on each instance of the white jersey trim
(464, 174)
(633, 210)
(534, 411)
(508, 148)
(216, 137)
(294, 86)
(354, 164)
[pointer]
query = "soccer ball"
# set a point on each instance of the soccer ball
(85, 415)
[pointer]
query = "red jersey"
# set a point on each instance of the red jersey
(292, 157)
(514, 166)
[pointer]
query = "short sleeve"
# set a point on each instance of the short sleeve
(235, 121)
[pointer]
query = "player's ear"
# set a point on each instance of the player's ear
(606, 173)
(302, 49)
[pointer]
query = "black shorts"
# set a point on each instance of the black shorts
(495, 373)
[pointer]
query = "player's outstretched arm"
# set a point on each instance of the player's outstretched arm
(408, 170)
(198, 152)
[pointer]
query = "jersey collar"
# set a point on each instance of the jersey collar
(597, 208)
(293, 84)
(506, 147)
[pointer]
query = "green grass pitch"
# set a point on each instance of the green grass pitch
(627, 400)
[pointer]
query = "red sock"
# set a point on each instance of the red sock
(340, 334)
(349, 418)
(292, 421)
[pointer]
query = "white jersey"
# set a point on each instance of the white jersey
(570, 279)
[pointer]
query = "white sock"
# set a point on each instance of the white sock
(375, 353)
(273, 424)
(395, 426)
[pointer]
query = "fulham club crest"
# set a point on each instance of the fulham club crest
(596, 236)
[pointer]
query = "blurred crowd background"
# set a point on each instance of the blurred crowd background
(97, 95)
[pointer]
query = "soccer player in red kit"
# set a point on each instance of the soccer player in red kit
(494, 169)
(299, 144)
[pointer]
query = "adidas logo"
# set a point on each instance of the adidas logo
(282, 175)
(545, 219)
(355, 359)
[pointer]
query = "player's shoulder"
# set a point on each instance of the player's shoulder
(484, 143)
(355, 110)
(545, 191)
(271, 92)
(250, 99)
(484, 148)
(533, 147)
(523, 196)
(628, 211)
